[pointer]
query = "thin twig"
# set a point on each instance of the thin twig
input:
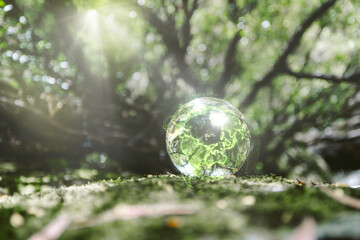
(127, 212)
(305, 231)
(342, 198)
(54, 229)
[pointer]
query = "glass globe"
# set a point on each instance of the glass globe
(207, 137)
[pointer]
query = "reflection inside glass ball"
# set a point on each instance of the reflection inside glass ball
(208, 137)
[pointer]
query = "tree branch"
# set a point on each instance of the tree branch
(186, 28)
(46, 130)
(229, 66)
(169, 35)
(281, 64)
(310, 120)
(354, 78)
(234, 13)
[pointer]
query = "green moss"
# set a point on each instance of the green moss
(292, 206)
(227, 208)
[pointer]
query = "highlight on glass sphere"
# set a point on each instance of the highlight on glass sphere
(207, 137)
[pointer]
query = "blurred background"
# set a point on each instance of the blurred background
(87, 86)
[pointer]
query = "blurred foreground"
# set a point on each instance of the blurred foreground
(171, 207)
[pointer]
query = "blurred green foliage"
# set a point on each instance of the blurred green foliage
(79, 77)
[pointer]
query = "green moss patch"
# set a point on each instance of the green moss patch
(230, 208)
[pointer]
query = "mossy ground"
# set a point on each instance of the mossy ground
(263, 207)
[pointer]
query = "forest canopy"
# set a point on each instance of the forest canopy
(98, 79)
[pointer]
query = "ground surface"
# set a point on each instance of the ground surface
(173, 207)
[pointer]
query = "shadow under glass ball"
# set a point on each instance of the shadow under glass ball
(207, 137)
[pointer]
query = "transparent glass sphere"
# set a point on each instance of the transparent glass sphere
(208, 137)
